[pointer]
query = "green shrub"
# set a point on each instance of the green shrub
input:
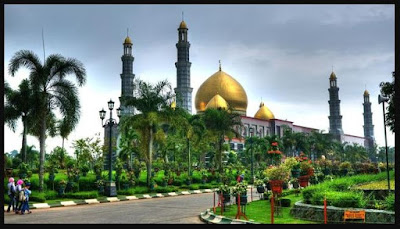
(167, 189)
(141, 190)
(6, 199)
(87, 183)
(126, 192)
(82, 195)
(38, 196)
(194, 187)
(205, 186)
(390, 202)
(50, 195)
(310, 191)
(346, 199)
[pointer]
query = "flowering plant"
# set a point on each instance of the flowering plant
(277, 173)
(225, 189)
(305, 166)
(275, 154)
(240, 188)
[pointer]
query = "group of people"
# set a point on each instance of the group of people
(19, 196)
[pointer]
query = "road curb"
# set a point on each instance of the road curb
(116, 199)
(210, 218)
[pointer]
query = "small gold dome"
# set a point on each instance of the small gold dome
(227, 87)
(217, 102)
(183, 25)
(333, 76)
(127, 40)
(173, 105)
(264, 113)
(366, 93)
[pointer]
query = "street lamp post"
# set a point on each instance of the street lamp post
(382, 99)
(110, 188)
(251, 130)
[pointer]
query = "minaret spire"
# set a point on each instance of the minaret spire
(183, 90)
(368, 127)
(335, 119)
(219, 65)
(182, 16)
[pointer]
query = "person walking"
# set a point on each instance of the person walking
(11, 194)
(25, 205)
(19, 196)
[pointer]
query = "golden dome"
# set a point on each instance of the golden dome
(264, 113)
(183, 25)
(333, 76)
(227, 87)
(217, 102)
(366, 93)
(127, 40)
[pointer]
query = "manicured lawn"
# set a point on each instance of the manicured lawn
(260, 211)
(377, 185)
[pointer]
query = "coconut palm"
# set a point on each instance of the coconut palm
(153, 103)
(67, 125)
(51, 90)
(222, 123)
(18, 106)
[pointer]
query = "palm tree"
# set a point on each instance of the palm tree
(18, 105)
(67, 125)
(222, 123)
(51, 90)
(153, 103)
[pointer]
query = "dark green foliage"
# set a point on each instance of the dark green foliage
(205, 186)
(50, 195)
(167, 189)
(82, 195)
(87, 183)
(38, 196)
(285, 202)
(390, 202)
(194, 187)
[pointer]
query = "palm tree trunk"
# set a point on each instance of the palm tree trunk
(24, 141)
(42, 139)
(150, 156)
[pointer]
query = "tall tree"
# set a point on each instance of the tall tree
(51, 90)
(388, 90)
(18, 105)
(221, 123)
(153, 102)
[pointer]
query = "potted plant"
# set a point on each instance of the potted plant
(294, 182)
(293, 165)
(226, 192)
(240, 191)
(275, 154)
(326, 166)
(276, 175)
(344, 168)
(260, 185)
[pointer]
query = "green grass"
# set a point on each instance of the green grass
(377, 185)
(260, 212)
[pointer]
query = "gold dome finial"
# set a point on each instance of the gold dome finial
(366, 93)
(332, 76)
(127, 39)
(264, 113)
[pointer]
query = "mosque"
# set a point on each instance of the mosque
(221, 90)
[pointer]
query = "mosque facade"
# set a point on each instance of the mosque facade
(222, 90)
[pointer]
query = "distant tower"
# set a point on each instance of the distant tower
(127, 76)
(335, 119)
(368, 127)
(183, 89)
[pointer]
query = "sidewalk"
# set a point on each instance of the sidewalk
(113, 199)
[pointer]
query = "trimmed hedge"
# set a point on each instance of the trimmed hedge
(38, 196)
(82, 195)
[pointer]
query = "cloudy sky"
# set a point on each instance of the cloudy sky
(282, 54)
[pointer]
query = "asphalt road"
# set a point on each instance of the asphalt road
(167, 210)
